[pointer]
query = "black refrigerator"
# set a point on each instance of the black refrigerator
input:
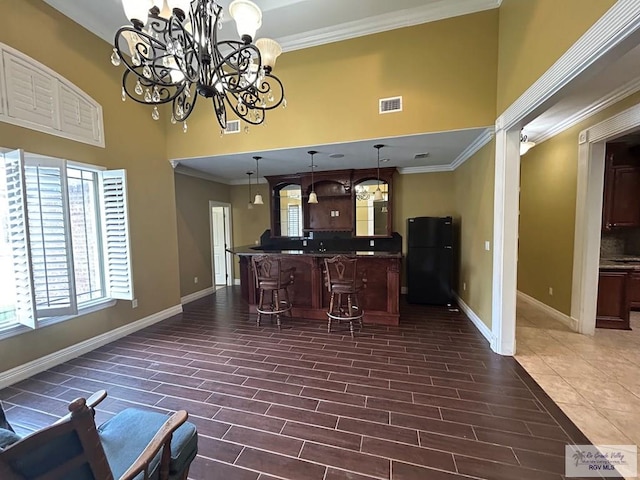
(430, 260)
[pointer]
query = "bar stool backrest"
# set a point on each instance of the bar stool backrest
(341, 270)
(266, 270)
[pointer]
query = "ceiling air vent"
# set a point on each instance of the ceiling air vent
(390, 105)
(420, 156)
(233, 126)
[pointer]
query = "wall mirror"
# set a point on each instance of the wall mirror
(372, 215)
(287, 211)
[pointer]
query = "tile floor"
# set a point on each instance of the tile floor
(595, 380)
(426, 400)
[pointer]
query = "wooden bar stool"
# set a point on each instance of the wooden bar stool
(344, 284)
(273, 280)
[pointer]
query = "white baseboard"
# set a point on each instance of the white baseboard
(197, 295)
(476, 320)
(236, 281)
(21, 372)
(570, 322)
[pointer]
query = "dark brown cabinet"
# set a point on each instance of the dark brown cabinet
(337, 191)
(621, 202)
(333, 212)
(634, 290)
(613, 299)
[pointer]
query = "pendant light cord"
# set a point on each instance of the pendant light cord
(312, 153)
(378, 147)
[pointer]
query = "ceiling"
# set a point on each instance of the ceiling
(296, 23)
(304, 23)
(443, 149)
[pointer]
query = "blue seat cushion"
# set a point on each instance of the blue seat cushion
(7, 438)
(127, 434)
(4, 424)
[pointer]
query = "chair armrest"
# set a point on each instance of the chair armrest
(91, 402)
(160, 439)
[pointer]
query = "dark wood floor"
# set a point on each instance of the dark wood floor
(426, 400)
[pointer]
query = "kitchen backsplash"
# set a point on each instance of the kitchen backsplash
(620, 242)
(632, 246)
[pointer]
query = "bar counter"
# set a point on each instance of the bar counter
(380, 299)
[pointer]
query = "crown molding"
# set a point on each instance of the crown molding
(246, 181)
(596, 107)
(190, 172)
(425, 169)
(616, 25)
(431, 12)
(484, 138)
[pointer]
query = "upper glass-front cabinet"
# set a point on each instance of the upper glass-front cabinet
(347, 203)
(371, 213)
(287, 211)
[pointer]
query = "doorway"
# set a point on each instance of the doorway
(591, 160)
(221, 240)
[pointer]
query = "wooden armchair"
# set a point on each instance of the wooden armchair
(134, 444)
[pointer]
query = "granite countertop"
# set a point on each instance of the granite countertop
(256, 250)
(622, 262)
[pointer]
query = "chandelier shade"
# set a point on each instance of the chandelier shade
(179, 4)
(270, 51)
(248, 18)
(178, 59)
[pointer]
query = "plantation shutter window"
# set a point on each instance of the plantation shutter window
(50, 237)
(18, 296)
(117, 254)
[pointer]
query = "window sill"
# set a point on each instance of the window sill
(89, 307)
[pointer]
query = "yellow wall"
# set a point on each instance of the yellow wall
(474, 183)
(134, 142)
(534, 34)
(194, 230)
(421, 195)
(249, 224)
(547, 213)
(445, 71)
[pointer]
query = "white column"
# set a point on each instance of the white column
(506, 203)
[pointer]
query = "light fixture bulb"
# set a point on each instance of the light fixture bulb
(258, 200)
(137, 10)
(377, 196)
(248, 17)
(313, 198)
(270, 50)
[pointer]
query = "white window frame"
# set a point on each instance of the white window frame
(297, 208)
(116, 251)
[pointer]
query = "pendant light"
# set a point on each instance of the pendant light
(525, 144)
(250, 204)
(313, 198)
(258, 199)
(377, 196)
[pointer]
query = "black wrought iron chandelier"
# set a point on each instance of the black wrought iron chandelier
(175, 58)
